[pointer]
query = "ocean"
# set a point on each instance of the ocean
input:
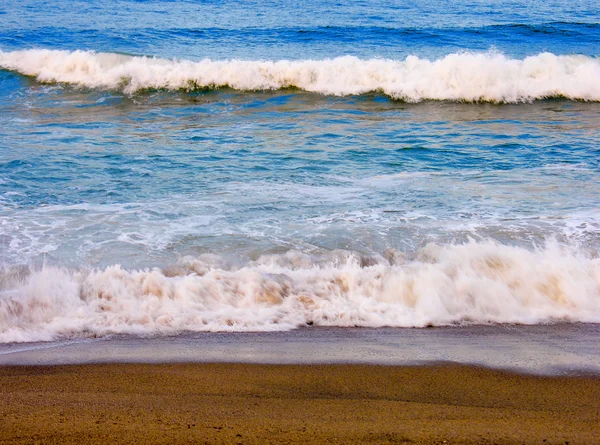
(177, 167)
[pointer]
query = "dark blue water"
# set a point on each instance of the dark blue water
(313, 29)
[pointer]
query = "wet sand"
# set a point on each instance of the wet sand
(265, 403)
(559, 349)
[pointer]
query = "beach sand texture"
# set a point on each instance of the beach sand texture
(258, 404)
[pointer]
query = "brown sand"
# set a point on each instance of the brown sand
(259, 404)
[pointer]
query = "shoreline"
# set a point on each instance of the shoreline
(233, 403)
(559, 349)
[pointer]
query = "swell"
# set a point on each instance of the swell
(380, 35)
(473, 283)
(463, 77)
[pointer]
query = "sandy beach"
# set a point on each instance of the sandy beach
(256, 404)
(278, 222)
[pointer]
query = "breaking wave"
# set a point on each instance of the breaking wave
(470, 77)
(472, 283)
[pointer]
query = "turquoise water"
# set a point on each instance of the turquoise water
(259, 166)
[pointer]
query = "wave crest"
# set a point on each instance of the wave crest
(470, 77)
(441, 285)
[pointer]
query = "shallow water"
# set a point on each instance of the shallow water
(563, 349)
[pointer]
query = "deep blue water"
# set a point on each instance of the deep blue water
(450, 122)
(311, 29)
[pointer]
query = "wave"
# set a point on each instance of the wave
(472, 283)
(468, 77)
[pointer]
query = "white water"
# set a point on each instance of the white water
(468, 77)
(477, 282)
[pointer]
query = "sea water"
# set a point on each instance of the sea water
(175, 166)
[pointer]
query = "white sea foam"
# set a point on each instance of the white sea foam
(459, 77)
(476, 282)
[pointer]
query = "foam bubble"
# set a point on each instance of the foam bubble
(476, 282)
(467, 77)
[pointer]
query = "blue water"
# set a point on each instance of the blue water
(311, 29)
(96, 171)
(96, 177)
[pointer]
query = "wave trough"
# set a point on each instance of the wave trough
(473, 283)
(468, 77)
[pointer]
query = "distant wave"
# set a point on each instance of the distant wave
(477, 282)
(468, 77)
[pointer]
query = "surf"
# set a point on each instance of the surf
(460, 77)
(438, 285)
